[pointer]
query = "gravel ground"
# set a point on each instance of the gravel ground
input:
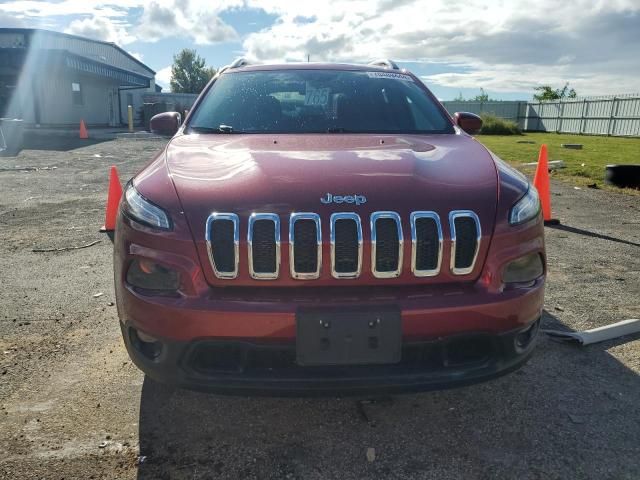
(73, 406)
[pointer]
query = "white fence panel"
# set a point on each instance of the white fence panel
(616, 115)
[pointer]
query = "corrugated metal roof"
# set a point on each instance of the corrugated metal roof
(96, 50)
(49, 60)
(125, 77)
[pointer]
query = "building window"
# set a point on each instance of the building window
(77, 94)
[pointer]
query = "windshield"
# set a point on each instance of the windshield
(318, 101)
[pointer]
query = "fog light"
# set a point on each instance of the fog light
(146, 338)
(145, 344)
(150, 275)
(525, 269)
(526, 337)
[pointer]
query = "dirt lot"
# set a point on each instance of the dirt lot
(73, 406)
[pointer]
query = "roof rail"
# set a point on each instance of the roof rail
(385, 63)
(237, 63)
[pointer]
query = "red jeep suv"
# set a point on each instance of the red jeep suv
(326, 229)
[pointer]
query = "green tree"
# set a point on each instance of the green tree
(546, 92)
(189, 72)
(483, 97)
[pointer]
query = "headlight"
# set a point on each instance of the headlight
(143, 211)
(526, 208)
(524, 269)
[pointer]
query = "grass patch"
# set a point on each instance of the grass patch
(583, 167)
(492, 125)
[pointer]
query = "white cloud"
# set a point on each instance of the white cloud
(502, 46)
(137, 56)
(110, 20)
(100, 28)
(163, 76)
(494, 44)
(514, 79)
(10, 21)
(35, 8)
(197, 20)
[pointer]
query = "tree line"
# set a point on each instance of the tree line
(544, 92)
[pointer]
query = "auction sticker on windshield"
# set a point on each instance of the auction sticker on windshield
(397, 76)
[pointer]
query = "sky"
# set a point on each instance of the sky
(456, 47)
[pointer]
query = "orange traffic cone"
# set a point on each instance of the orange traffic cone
(541, 182)
(83, 130)
(113, 200)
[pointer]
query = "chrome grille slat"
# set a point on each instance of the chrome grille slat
(224, 247)
(346, 242)
(346, 245)
(389, 244)
(308, 244)
(464, 250)
(263, 242)
(423, 243)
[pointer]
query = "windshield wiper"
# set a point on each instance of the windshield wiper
(203, 129)
(220, 129)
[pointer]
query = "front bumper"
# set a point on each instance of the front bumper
(251, 331)
(252, 368)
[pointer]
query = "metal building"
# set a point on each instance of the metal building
(54, 79)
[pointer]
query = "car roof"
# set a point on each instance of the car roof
(312, 66)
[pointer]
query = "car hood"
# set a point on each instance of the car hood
(291, 173)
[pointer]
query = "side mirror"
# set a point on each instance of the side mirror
(166, 123)
(469, 122)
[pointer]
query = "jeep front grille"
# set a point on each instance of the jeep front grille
(386, 244)
(264, 245)
(346, 241)
(305, 245)
(426, 238)
(346, 245)
(223, 239)
(465, 240)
